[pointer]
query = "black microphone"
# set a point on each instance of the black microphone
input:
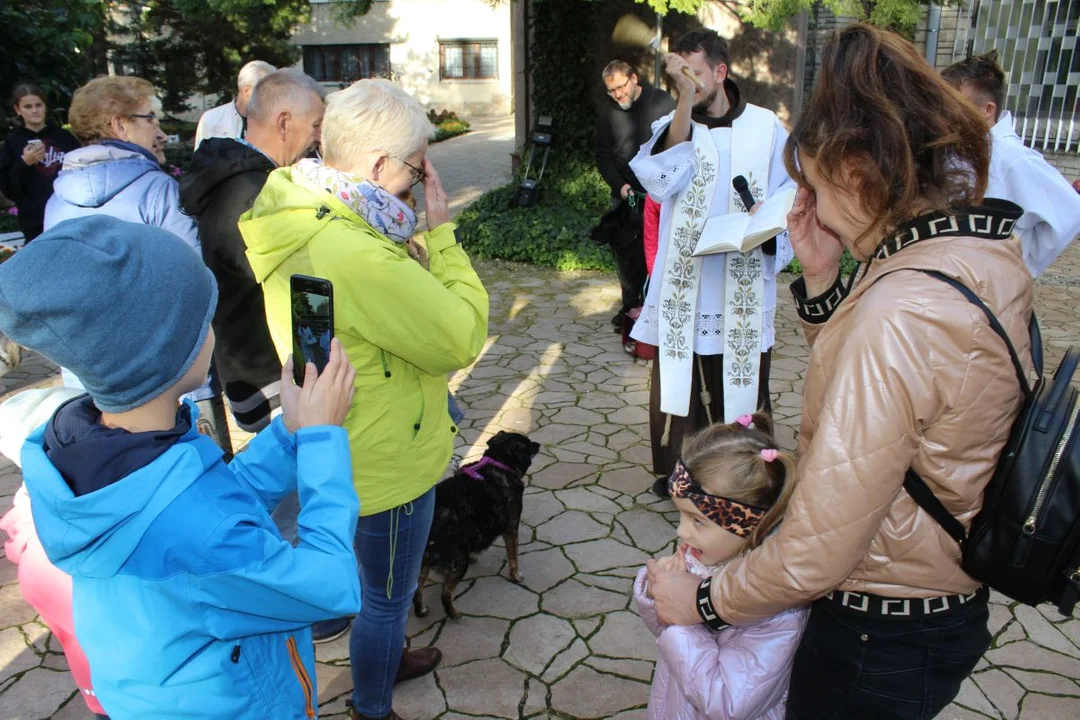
(743, 189)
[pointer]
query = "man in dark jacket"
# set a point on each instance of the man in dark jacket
(284, 121)
(624, 123)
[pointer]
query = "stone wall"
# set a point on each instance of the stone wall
(1067, 163)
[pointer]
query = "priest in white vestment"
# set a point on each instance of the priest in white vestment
(1051, 218)
(712, 317)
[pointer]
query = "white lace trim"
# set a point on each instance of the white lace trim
(708, 329)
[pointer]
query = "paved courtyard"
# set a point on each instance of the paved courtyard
(566, 643)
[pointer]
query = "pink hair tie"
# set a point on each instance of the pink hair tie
(769, 454)
(745, 420)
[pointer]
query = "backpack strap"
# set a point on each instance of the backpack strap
(1033, 327)
(915, 486)
(925, 498)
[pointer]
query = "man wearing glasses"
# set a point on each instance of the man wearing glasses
(624, 124)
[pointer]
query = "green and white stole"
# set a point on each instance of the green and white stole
(750, 145)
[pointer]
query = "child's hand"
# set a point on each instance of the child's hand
(680, 560)
(324, 399)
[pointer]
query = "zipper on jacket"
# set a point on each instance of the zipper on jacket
(385, 364)
(1031, 524)
(235, 657)
(302, 676)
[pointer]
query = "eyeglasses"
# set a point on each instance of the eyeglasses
(152, 117)
(616, 90)
(417, 174)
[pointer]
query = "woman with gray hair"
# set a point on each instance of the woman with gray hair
(408, 312)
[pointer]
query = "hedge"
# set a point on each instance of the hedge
(553, 234)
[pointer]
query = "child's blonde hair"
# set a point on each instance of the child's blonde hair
(726, 460)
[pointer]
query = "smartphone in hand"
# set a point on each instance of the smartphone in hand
(312, 323)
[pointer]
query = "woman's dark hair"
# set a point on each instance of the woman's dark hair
(23, 90)
(883, 125)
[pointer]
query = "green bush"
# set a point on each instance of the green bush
(450, 128)
(8, 222)
(178, 158)
(438, 117)
(183, 128)
(553, 234)
(847, 265)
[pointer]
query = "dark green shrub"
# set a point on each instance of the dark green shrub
(553, 234)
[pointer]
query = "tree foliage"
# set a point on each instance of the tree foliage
(899, 15)
(663, 7)
(49, 43)
(182, 46)
(198, 46)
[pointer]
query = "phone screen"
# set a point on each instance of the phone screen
(312, 323)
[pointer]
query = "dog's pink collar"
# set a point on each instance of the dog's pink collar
(473, 470)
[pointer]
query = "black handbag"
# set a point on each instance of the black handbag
(1025, 542)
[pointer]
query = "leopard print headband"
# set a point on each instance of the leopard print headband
(735, 517)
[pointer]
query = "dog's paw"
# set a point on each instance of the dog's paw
(453, 613)
(516, 577)
(422, 611)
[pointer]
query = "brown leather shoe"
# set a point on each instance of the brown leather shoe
(417, 663)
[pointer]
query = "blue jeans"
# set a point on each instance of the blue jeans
(390, 548)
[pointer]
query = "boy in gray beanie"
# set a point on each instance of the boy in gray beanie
(186, 600)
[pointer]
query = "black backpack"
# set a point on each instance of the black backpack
(1025, 542)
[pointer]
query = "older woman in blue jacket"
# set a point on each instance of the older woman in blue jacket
(118, 171)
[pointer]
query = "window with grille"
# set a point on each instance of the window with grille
(469, 60)
(346, 63)
(1038, 48)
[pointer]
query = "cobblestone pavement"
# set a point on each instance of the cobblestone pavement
(472, 164)
(566, 643)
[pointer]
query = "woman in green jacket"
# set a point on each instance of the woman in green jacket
(406, 318)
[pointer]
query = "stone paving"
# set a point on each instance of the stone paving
(566, 642)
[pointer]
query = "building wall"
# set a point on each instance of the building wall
(414, 28)
(1067, 163)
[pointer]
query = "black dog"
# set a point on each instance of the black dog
(623, 229)
(478, 504)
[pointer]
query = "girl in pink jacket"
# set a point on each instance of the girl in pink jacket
(43, 586)
(731, 488)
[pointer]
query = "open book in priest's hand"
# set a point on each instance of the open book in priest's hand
(741, 232)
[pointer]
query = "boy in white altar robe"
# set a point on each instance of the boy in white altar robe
(710, 317)
(1051, 218)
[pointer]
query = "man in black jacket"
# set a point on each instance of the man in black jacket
(624, 123)
(284, 122)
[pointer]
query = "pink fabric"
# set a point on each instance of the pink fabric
(652, 232)
(738, 672)
(47, 590)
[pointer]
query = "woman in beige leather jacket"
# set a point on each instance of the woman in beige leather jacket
(904, 373)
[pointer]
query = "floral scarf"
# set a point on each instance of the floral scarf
(385, 212)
